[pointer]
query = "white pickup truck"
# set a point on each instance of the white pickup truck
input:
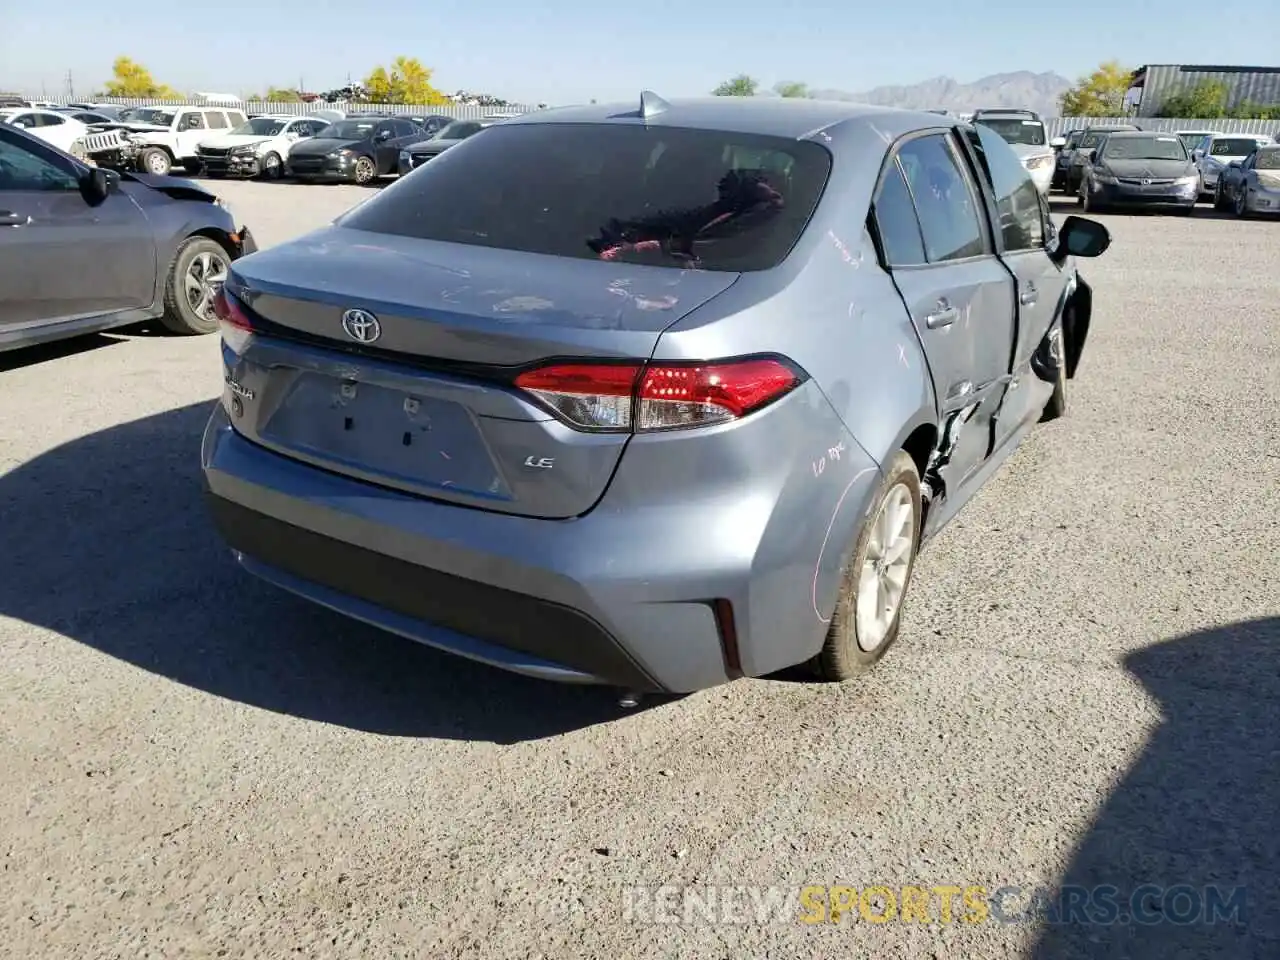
(156, 139)
(258, 147)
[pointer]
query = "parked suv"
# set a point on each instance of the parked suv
(155, 139)
(1025, 132)
(258, 146)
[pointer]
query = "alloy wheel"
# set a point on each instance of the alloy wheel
(883, 578)
(205, 274)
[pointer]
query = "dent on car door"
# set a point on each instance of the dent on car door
(1021, 225)
(960, 297)
(61, 259)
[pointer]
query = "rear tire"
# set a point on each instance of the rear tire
(1057, 405)
(199, 266)
(851, 648)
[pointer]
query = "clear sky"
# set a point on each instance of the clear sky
(565, 51)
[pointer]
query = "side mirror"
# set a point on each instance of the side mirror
(1058, 143)
(1083, 238)
(1093, 156)
(96, 186)
(1235, 163)
(292, 135)
(1197, 155)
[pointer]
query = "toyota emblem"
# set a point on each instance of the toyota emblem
(361, 326)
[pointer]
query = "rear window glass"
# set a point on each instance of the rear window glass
(1233, 147)
(665, 196)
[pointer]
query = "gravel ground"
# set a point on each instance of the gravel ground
(1086, 691)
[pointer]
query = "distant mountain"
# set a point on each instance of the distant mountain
(1023, 89)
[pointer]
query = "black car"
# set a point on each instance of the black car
(1136, 169)
(357, 149)
(1072, 158)
(433, 123)
(455, 132)
(84, 249)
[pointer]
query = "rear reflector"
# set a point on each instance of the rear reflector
(663, 396)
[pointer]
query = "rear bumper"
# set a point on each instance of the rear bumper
(633, 594)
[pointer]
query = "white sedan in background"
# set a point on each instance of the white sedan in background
(56, 128)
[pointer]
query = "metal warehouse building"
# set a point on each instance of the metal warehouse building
(1153, 83)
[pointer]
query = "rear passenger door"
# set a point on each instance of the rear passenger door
(386, 146)
(928, 214)
(1022, 228)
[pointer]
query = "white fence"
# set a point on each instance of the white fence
(1057, 126)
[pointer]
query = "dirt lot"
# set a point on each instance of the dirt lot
(197, 764)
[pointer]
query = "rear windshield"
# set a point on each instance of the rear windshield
(1233, 147)
(664, 196)
(1268, 160)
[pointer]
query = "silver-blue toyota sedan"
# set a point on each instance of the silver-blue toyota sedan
(657, 395)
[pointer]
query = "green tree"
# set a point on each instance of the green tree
(791, 89)
(1100, 94)
(282, 95)
(1207, 100)
(405, 81)
(130, 79)
(740, 86)
(1250, 110)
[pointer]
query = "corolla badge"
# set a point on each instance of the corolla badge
(361, 326)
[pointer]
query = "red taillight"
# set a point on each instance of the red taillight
(659, 396)
(234, 322)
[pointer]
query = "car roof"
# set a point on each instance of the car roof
(1139, 134)
(767, 116)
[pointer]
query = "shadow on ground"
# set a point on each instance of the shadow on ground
(108, 543)
(21, 357)
(1196, 821)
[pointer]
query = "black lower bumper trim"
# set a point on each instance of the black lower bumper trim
(501, 617)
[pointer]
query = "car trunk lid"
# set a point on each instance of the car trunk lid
(427, 405)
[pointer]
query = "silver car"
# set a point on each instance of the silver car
(1216, 152)
(1252, 185)
(656, 395)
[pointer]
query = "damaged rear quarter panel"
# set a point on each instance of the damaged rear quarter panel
(832, 309)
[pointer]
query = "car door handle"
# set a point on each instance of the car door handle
(943, 316)
(1028, 296)
(10, 219)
